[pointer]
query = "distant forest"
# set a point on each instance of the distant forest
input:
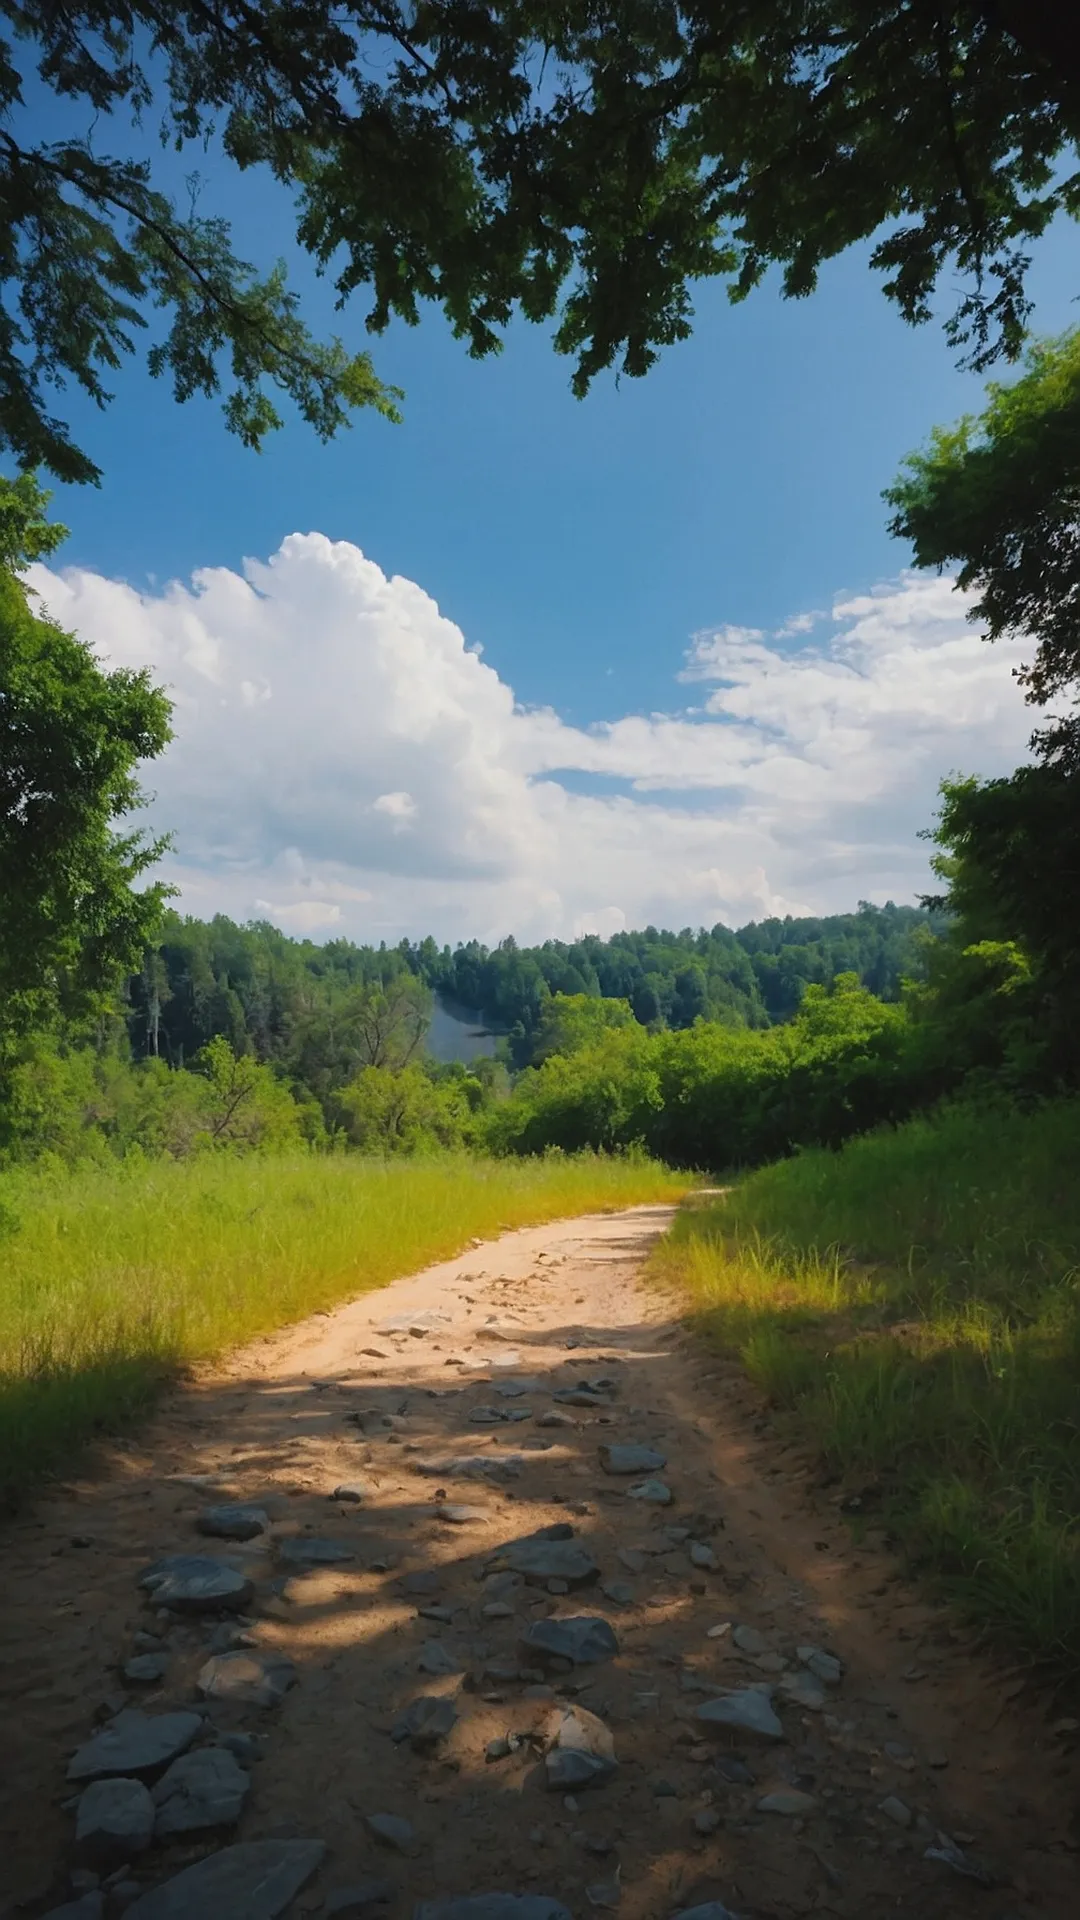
(256, 986)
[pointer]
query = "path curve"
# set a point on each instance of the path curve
(708, 1596)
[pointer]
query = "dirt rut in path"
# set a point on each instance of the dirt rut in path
(437, 1413)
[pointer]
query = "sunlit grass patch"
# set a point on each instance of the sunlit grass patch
(113, 1277)
(915, 1301)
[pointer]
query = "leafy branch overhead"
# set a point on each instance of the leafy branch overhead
(584, 162)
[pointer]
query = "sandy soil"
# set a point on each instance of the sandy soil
(921, 1717)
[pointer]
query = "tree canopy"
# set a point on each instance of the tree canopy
(585, 161)
(72, 920)
(1000, 495)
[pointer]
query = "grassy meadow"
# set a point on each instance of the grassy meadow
(915, 1300)
(113, 1277)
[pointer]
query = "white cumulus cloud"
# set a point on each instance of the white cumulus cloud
(345, 762)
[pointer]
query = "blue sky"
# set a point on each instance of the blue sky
(580, 546)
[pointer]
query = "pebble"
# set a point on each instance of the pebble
(256, 1879)
(703, 1556)
(202, 1792)
(247, 1747)
(788, 1801)
(114, 1822)
(555, 1419)
(146, 1669)
(746, 1711)
(550, 1555)
(134, 1743)
(497, 1610)
(585, 1640)
(631, 1458)
(604, 1893)
(895, 1810)
(437, 1659)
(707, 1821)
(308, 1550)
(394, 1832)
(425, 1721)
(803, 1691)
(619, 1592)
(581, 1750)
(247, 1679)
(749, 1640)
(192, 1583)
(655, 1493)
(233, 1522)
(458, 1516)
(825, 1666)
(718, 1632)
(353, 1492)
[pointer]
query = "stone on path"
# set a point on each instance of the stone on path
(747, 1711)
(233, 1522)
(803, 1691)
(457, 1515)
(749, 1640)
(655, 1493)
(425, 1721)
(493, 1906)
(355, 1492)
(585, 1640)
(631, 1458)
(247, 1679)
(703, 1556)
(619, 1592)
(113, 1824)
(146, 1669)
(825, 1666)
(581, 1397)
(895, 1810)
(555, 1419)
(517, 1388)
(418, 1324)
(471, 1466)
(202, 1792)
(550, 1554)
(707, 1821)
(134, 1742)
(788, 1801)
(192, 1583)
(437, 1659)
(394, 1832)
(308, 1550)
(582, 1751)
(255, 1880)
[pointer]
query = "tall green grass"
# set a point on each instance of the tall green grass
(112, 1278)
(915, 1299)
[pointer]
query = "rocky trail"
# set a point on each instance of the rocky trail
(495, 1583)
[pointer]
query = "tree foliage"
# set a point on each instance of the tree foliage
(999, 496)
(582, 162)
(72, 920)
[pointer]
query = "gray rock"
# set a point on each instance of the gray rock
(604, 1893)
(493, 1906)
(631, 1458)
(895, 1810)
(456, 1515)
(968, 1865)
(516, 1389)
(91, 1906)
(193, 1583)
(549, 1555)
(788, 1801)
(393, 1832)
(707, 1821)
(425, 1721)
(803, 1691)
(749, 1640)
(246, 1747)
(248, 1679)
(355, 1492)
(710, 1910)
(114, 1823)
(619, 1592)
(656, 1493)
(703, 1557)
(147, 1642)
(581, 1751)
(825, 1666)
(581, 1397)
(307, 1550)
(369, 1892)
(146, 1669)
(233, 1522)
(252, 1881)
(585, 1640)
(437, 1659)
(471, 1466)
(202, 1792)
(134, 1743)
(746, 1711)
(555, 1419)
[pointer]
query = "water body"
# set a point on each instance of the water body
(458, 1033)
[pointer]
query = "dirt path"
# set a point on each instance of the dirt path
(709, 1595)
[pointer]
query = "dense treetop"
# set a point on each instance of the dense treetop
(584, 161)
